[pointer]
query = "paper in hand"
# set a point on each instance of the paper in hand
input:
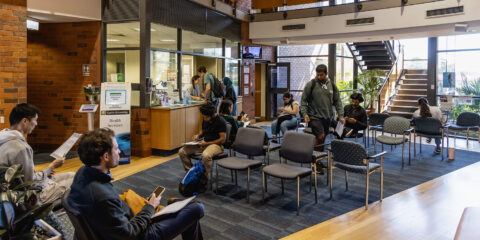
(66, 146)
(245, 124)
(339, 128)
(174, 207)
(193, 143)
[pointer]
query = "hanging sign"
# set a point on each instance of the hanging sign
(115, 114)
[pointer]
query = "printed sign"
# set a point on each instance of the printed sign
(86, 70)
(115, 114)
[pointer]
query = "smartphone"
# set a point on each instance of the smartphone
(159, 191)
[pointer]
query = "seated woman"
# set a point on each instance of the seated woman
(194, 90)
(355, 116)
(225, 111)
(230, 94)
(287, 118)
(424, 110)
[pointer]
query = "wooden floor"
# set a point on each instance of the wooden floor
(431, 210)
(136, 165)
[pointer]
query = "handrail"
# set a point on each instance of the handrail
(391, 51)
(354, 56)
(387, 79)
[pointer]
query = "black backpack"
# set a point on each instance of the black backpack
(218, 88)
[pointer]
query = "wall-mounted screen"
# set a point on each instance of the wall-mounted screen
(251, 52)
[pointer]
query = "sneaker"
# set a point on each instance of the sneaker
(320, 168)
(429, 140)
(349, 133)
(437, 150)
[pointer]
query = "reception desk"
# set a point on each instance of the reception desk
(173, 126)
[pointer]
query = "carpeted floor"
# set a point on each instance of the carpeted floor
(228, 216)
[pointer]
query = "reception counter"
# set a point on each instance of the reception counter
(175, 125)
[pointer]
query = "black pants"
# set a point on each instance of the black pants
(319, 126)
(348, 126)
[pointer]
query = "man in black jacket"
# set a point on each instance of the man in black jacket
(93, 195)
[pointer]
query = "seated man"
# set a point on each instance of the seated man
(94, 197)
(355, 116)
(212, 136)
(14, 149)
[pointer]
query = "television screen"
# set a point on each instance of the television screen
(251, 52)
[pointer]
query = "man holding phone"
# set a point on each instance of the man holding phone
(93, 195)
(319, 97)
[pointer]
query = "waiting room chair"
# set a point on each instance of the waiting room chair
(352, 157)
(466, 121)
(83, 231)
(375, 123)
(249, 141)
(396, 126)
(429, 128)
(296, 147)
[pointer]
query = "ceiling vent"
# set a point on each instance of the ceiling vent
(442, 12)
(360, 21)
(293, 27)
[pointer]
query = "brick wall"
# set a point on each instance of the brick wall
(268, 54)
(13, 56)
(244, 5)
(55, 82)
(140, 132)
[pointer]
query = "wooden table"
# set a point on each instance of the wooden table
(431, 210)
(173, 126)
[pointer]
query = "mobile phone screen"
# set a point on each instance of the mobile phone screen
(159, 191)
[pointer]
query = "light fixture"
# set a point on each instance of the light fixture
(113, 40)
(167, 40)
(32, 25)
(151, 29)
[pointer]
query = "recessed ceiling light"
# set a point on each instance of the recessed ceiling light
(113, 40)
(138, 29)
(167, 40)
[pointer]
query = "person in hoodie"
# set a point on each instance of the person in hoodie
(14, 149)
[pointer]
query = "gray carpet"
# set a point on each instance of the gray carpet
(228, 216)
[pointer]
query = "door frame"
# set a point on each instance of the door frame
(269, 90)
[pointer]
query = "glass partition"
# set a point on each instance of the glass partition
(231, 71)
(122, 35)
(163, 70)
(201, 43)
(231, 49)
(124, 66)
(163, 37)
(416, 53)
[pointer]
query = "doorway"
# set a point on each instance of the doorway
(278, 83)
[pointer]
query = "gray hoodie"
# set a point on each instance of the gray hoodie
(14, 149)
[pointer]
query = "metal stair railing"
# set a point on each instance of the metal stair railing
(390, 87)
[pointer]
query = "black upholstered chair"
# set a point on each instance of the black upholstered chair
(296, 147)
(249, 141)
(83, 231)
(375, 123)
(466, 121)
(352, 157)
(396, 126)
(429, 128)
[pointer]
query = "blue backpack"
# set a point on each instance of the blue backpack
(193, 182)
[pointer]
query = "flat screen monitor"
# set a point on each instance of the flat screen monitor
(251, 52)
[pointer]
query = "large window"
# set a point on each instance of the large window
(232, 71)
(163, 37)
(201, 43)
(416, 53)
(122, 35)
(458, 74)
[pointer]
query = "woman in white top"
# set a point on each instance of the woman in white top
(287, 118)
(424, 110)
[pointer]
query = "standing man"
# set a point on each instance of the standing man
(208, 82)
(97, 201)
(318, 98)
(214, 135)
(14, 149)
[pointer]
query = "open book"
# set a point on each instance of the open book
(192, 143)
(66, 146)
(173, 208)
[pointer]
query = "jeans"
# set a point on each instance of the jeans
(438, 141)
(185, 222)
(284, 126)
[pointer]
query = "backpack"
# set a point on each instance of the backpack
(192, 183)
(218, 88)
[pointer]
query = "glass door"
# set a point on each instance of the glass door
(278, 83)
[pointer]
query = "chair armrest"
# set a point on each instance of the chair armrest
(410, 130)
(377, 155)
(323, 144)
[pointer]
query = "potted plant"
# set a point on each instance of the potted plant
(19, 209)
(369, 83)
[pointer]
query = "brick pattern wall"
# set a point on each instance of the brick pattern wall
(244, 5)
(56, 54)
(140, 132)
(268, 54)
(13, 56)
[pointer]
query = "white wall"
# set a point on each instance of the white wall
(388, 22)
(82, 9)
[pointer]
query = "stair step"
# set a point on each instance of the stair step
(405, 86)
(416, 76)
(368, 43)
(374, 53)
(376, 58)
(405, 101)
(416, 71)
(370, 48)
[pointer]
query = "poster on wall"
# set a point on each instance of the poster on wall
(448, 79)
(171, 75)
(115, 114)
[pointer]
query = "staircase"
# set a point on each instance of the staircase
(412, 86)
(373, 55)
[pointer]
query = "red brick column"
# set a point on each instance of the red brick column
(13, 56)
